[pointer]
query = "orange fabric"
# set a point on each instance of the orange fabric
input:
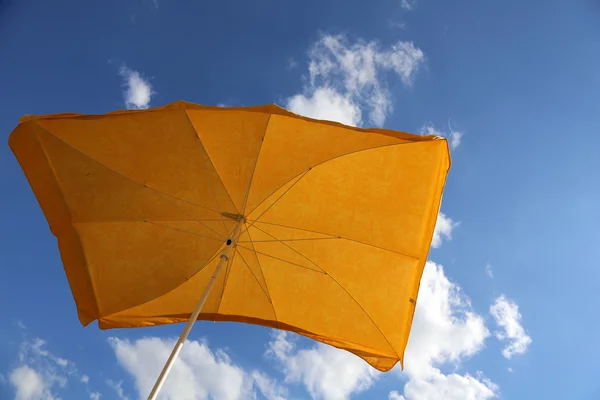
(339, 220)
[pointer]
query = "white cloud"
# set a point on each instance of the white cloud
(326, 103)
(85, 379)
(450, 387)
(453, 135)
(326, 372)
(348, 79)
(138, 91)
(430, 129)
(29, 385)
(445, 331)
(394, 395)
(198, 374)
(445, 328)
(95, 396)
(443, 230)
(489, 271)
(507, 316)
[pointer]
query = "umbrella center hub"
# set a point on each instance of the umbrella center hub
(234, 217)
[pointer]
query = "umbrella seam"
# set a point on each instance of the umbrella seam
(279, 198)
(215, 192)
(218, 251)
(134, 180)
(247, 195)
(215, 168)
(61, 190)
(323, 162)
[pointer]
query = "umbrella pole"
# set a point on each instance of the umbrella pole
(224, 258)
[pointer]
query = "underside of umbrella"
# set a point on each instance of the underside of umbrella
(328, 226)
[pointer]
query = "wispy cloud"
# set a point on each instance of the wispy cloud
(39, 372)
(118, 388)
(454, 137)
(346, 80)
(138, 91)
(443, 230)
(269, 388)
(506, 314)
(489, 271)
(407, 4)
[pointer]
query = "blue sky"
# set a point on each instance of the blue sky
(508, 307)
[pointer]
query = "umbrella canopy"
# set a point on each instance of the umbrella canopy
(334, 223)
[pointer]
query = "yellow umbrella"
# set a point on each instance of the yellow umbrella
(294, 223)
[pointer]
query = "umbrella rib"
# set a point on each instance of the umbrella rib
(182, 230)
(194, 218)
(105, 221)
(286, 240)
(350, 295)
(275, 202)
(291, 248)
(338, 237)
(325, 161)
(132, 179)
(213, 186)
(281, 259)
(266, 284)
(256, 279)
(254, 169)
